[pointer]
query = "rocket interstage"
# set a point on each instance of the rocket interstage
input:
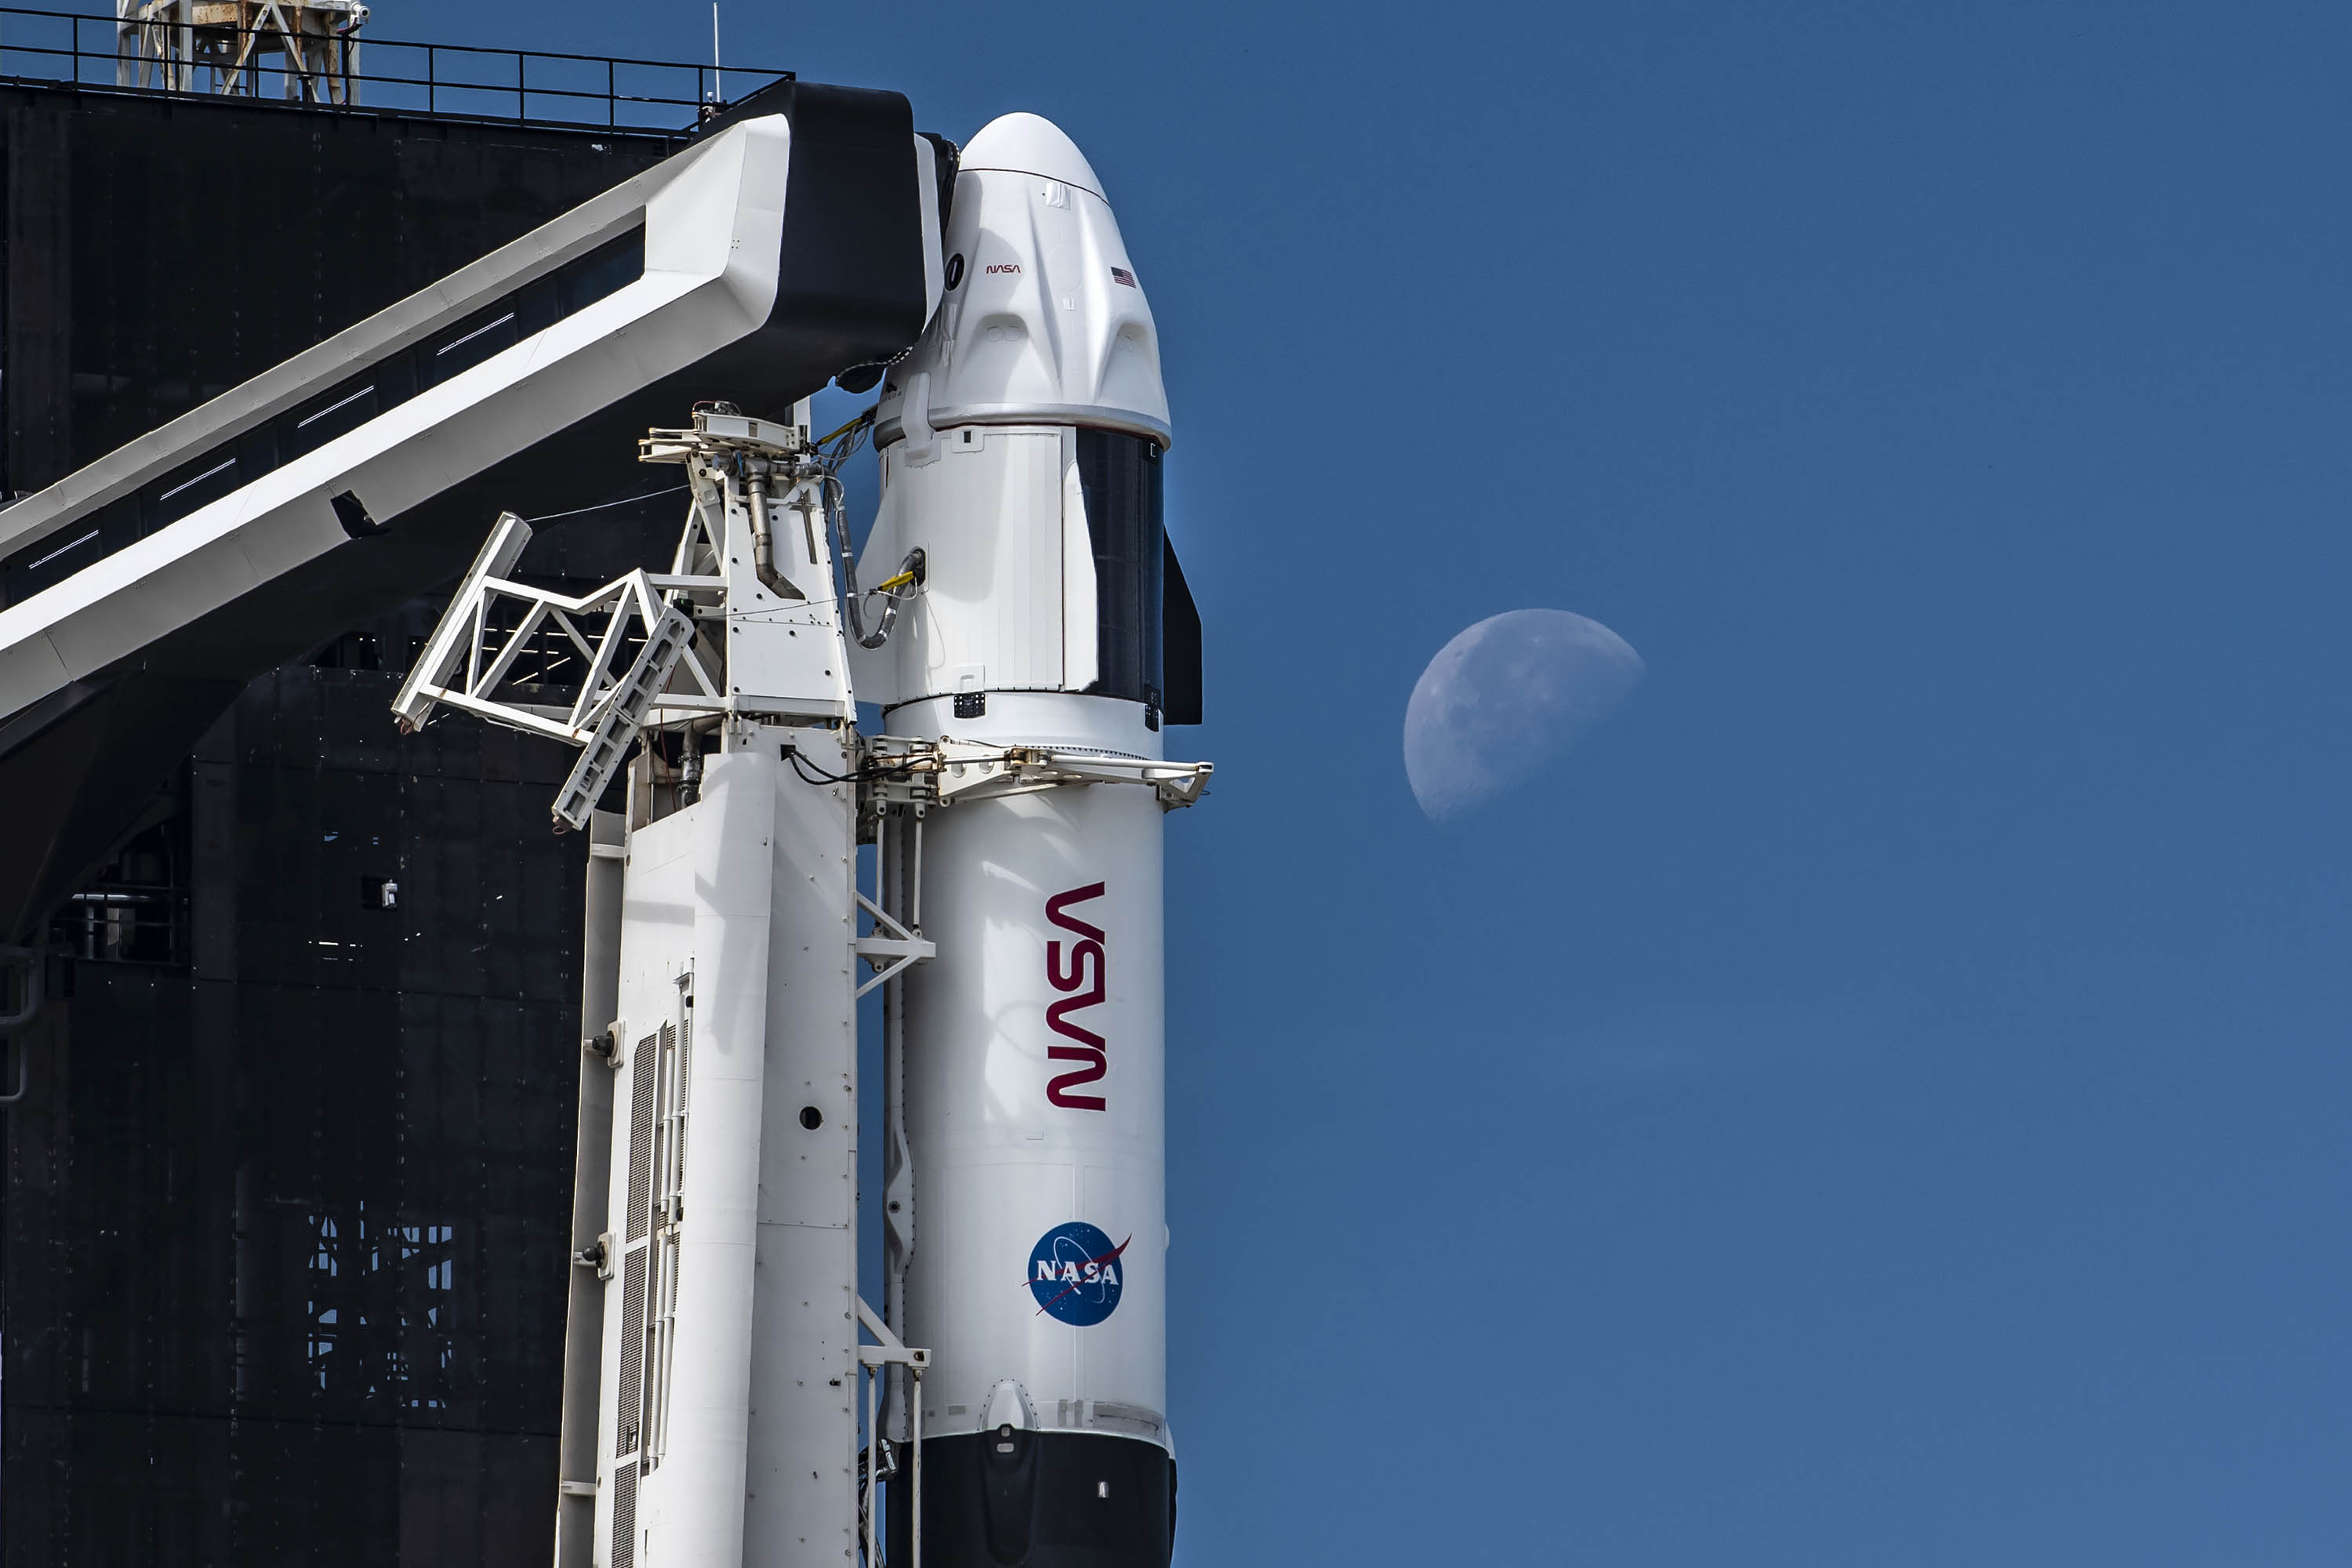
(1021, 448)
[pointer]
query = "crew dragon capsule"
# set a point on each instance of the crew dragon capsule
(1021, 447)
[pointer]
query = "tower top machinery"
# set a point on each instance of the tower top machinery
(232, 47)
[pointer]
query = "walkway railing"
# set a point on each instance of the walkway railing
(370, 73)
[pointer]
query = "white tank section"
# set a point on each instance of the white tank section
(1035, 1103)
(1009, 602)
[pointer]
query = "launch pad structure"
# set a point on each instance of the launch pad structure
(1027, 636)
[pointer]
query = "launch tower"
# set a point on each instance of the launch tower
(1017, 633)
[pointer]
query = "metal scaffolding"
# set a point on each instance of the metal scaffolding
(312, 46)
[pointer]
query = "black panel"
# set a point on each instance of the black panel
(1120, 476)
(950, 159)
(81, 780)
(284, 1266)
(159, 251)
(1181, 642)
(851, 290)
(1040, 1500)
(262, 1097)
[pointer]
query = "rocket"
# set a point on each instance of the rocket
(1022, 449)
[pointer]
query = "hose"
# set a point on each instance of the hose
(764, 538)
(910, 573)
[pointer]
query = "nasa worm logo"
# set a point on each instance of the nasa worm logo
(1085, 978)
(1074, 1273)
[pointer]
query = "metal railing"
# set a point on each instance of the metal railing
(380, 75)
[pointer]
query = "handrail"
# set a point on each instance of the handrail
(34, 960)
(560, 89)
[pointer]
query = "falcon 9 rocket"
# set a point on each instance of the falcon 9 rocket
(1022, 446)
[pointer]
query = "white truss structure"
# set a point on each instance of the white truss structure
(469, 658)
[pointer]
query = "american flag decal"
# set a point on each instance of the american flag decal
(1121, 275)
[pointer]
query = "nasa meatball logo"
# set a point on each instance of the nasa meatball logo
(1074, 1272)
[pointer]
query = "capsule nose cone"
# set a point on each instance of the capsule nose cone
(1031, 144)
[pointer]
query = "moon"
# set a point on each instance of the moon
(1505, 700)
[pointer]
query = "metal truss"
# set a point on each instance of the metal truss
(469, 658)
(891, 949)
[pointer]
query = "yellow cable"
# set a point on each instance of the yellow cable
(828, 440)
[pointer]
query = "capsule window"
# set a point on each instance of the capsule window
(1121, 478)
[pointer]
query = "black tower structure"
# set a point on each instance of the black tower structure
(286, 1196)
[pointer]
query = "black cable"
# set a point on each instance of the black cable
(608, 505)
(792, 755)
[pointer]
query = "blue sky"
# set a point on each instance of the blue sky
(1883, 1099)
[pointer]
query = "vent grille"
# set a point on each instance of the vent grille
(641, 1131)
(624, 1518)
(629, 1410)
(685, 1079)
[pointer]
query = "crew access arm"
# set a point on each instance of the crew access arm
(799, 240)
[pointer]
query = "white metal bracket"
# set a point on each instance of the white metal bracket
(942, 771)
(892, 1348)
(891, 1351)
(898, 950)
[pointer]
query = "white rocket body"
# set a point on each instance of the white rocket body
(1020, 450)
(1022, 1126)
